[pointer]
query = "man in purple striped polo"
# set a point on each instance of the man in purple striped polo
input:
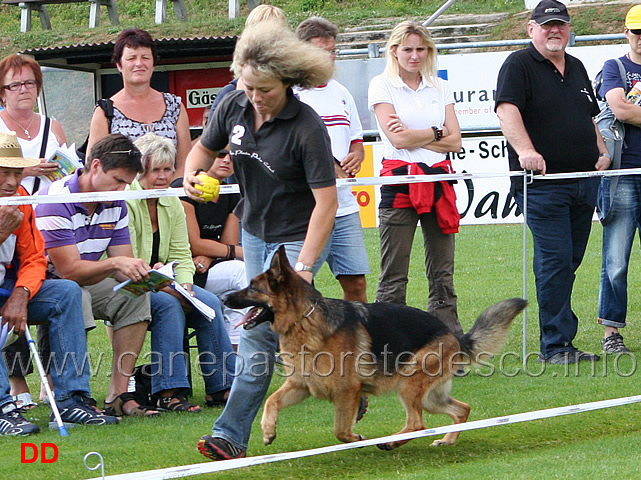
(76, 237)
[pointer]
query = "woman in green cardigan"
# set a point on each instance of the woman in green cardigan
(159, 236)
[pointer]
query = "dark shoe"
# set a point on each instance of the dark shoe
(13, 423)
(362, 408)
(217, 399)
(586, 357)
(568, 358)
(176, 402)
(216, 448)
(77, 410)
(614, 344)
(561, 358)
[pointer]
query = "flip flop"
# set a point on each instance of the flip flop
(115, 408)
(24, 401)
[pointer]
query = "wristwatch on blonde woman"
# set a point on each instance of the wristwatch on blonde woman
(438, 133)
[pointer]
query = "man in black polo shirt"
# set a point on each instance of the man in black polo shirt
(545, 104)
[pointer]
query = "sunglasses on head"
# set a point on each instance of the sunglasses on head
(134, 154)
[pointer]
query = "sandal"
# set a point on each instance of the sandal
(218, 399)
(115, 409)
(177, 402)
(24, 401)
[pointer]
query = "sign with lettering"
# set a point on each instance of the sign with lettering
(479, 200)
(201, 97)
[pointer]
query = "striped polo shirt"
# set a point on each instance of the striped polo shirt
(65, 224)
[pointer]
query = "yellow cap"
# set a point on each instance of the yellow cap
(633, 18)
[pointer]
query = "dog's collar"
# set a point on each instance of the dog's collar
(311, 310)
(312, 307)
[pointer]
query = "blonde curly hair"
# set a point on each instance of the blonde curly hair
(270, 49)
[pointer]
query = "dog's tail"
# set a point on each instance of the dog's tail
(490, 330)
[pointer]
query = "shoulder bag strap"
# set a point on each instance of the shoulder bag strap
(618, 149)
(43, 149)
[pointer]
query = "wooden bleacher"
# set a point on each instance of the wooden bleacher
(40, 6)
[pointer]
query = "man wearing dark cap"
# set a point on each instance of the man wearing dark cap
(622, 195)
(545, 104)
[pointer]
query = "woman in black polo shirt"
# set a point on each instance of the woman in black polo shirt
(284, 166)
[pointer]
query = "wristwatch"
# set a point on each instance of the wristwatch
(301, 267)
(438, 133)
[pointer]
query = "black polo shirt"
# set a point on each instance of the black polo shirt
(557, 110)
(276, 167)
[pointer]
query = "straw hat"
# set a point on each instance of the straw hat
(11, 153)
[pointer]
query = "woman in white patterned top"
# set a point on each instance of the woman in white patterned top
(138, 108)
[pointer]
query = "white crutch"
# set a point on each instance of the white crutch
(43, 378)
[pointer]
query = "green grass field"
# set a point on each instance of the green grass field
(489, 268)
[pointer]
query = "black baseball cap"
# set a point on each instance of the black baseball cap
(549, 10)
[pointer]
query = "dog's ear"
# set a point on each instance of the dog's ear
(279, 268)
(280, 263)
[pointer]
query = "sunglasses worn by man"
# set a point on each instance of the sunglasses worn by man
(134, 154)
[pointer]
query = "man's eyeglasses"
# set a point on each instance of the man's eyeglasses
(636, 31)
(134, 153)
(15, 86)
(554, 23)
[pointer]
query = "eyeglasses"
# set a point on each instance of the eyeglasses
(636, 31)
(551, 24)
(134, 153)
(15, 86)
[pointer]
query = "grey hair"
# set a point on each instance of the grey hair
(156, 152)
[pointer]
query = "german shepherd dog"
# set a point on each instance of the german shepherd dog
(339, 350)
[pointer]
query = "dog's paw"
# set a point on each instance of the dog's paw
(440, 443)
(268, 439)
(386, 446)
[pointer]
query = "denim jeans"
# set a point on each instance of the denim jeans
(222, 279)
(348, 254)
(256, 350)
(560, 218)
(59, 304)
(618, 236)
(167, 332)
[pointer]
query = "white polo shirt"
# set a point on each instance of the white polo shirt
(423, 108)
(336, 107)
